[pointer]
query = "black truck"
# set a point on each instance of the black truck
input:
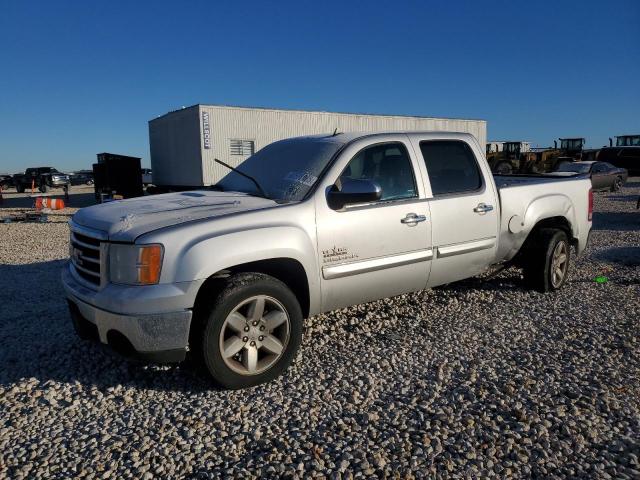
(42, 178)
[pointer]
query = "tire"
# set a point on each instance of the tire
(20, 188)
(44, 188)
(617, 184)
(225, 321)
(504, 168)
(546, 250)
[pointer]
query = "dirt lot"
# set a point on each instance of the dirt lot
(477, 379)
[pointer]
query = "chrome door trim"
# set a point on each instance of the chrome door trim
(365, 266)
(467, 247)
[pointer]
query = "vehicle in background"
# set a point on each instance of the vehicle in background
(147, 178)
(604, 176)
(6, 181)
(303, 226)
(625, 154)
(627, 141)
(117, 176)
(81, 177)
(41, 178)
(508, 157)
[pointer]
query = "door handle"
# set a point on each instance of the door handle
(483, 208)
(412, 219)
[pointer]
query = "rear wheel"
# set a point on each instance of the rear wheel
(20, 188)
(44, 188)
(546, 265)
(250, 331)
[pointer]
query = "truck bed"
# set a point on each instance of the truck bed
(525, 196)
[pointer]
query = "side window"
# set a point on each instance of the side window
(451, 166)
(388, 165)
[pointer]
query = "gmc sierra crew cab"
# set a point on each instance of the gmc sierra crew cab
(227, 273)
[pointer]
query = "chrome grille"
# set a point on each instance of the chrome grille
(85, 257)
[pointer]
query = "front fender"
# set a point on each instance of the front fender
(206, 257)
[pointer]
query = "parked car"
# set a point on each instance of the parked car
(43, 178)
(303, 226)
(82, 177)
(604, 176)
(6, 181)
(147, 177)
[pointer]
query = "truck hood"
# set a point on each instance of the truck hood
(125, 220)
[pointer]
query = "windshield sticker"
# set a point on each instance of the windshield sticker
(301, 177)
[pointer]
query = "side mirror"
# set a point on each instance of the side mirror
(353, 191)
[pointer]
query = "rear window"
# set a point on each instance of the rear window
(452, 167)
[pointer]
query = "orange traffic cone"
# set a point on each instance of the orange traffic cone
(51, 203)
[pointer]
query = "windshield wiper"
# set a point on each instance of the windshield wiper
(233, 169)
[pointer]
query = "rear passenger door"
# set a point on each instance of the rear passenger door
(464, 208)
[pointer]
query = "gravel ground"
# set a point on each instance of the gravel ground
(477, 379)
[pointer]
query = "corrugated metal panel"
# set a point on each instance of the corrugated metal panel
(264, 126)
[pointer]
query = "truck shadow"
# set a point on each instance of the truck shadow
(627, 256)
(617, 221)
(38, 340)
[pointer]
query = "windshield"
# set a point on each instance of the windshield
(574, 167)
(286, 170)
(512, 147)
(571, 144)
(628, 141)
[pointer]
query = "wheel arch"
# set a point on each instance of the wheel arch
(288, 270)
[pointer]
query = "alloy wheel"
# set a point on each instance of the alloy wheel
(255, 335)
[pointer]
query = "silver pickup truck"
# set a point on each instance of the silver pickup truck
(306, 225)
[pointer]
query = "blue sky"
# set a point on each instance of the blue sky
(82, 77)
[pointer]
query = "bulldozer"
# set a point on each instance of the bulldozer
(507, 157)
(510, 157)
(547, 159)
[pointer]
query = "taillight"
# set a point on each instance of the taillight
(590, 214)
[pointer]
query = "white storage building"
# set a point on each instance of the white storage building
(185, 142)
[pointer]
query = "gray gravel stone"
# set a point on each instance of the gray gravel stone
(479, 379)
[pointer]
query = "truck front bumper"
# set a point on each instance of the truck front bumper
(146, 334)
(60, 183)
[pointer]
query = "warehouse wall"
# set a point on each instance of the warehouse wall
(264, 126)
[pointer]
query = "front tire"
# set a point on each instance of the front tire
(252, 329)
(546, 265)
(617, 184)
(504, 168)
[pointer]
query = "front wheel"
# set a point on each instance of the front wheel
(617, 184)
(546, 266)
(252, 330)
(504, 168)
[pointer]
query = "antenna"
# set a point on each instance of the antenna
(335, 132)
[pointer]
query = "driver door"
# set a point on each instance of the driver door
(379, 249)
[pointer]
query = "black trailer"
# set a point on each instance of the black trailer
(117, 175)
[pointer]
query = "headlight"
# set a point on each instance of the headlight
(135, 264)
